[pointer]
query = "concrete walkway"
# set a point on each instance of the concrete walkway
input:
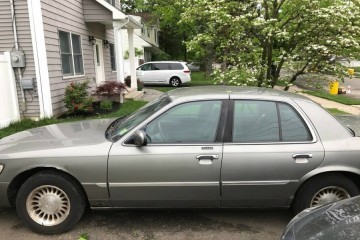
(151, 94)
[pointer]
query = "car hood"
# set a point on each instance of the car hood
(72, 134)
(338, 221)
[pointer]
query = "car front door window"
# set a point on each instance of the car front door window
(193, 122)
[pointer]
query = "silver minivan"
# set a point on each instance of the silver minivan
(170, 72)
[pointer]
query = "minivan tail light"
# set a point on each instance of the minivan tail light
(187, 71)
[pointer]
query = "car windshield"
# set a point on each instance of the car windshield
(125, 125)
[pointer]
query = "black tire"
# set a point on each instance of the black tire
(175, 82)
(337, 185)
(56, 201)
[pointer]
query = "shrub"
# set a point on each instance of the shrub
(77, 99)
(110, 88)
(106, 105)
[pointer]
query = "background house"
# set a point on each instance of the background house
(53, 43)
(146, 39)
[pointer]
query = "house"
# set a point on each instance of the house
(146, 40)
(51, 43)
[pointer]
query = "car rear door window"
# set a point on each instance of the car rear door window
(193, 122)
(255, 121)
(161, 66)
(293, 127)
(176, 66)
(267, 121)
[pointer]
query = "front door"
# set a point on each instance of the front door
(99, 62)
(180, 166)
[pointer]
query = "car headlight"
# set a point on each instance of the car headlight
(1, 167)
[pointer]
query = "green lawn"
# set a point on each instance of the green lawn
(336, 111)
(125, 109)
(336, 98)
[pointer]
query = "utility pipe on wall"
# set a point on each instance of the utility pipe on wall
(23, 100)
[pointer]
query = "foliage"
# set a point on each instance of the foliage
(260, 38)
(110, 88)
(138, 53)
(127, 108)
(161, 57)
(106, 105)
(77, 99)
(84, 236)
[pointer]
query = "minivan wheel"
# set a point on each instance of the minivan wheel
(175, 82)
(50, 203)
(323, 190)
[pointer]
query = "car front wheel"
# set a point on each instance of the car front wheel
(323, 190)
(175, 82)
(50, 203)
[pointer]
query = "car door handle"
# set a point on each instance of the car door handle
(302, 158)
(301, 155)
(207, 157)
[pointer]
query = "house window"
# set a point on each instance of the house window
(148, 32)
(112, 2)
(155, 35)
(112, 57)
(71, 54)
(142, 28)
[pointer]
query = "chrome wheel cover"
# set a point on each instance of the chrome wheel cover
(48, 205)
(329, 195)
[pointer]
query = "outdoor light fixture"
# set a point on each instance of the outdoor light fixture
(106, 43)
(92, 40)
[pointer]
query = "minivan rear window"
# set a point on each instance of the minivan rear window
(161, 66)
(176, 66)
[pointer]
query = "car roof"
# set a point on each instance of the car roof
(166, 62)
(232, 92)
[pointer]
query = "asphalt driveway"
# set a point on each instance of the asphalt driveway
(162, 225)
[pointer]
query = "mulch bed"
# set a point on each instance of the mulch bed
(97, 111)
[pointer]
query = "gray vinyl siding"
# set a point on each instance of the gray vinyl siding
(93, 11)
(117, 4)
(68, 15)
(7, 43)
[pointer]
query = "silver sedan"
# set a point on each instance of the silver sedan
(216, 147)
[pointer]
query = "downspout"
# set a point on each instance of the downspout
(23, 100)
(119, 55)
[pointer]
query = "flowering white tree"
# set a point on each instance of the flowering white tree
(256, 39)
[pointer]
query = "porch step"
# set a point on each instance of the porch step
(133, 94)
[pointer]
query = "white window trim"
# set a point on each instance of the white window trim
(72, 54)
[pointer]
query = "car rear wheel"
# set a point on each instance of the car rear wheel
(50, 203)
(175, 82)
(323, 190)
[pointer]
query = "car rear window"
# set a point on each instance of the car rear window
(176, 66)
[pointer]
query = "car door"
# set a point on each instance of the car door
(161, 72)
(269, 148)
(180, 165)
(145, 73)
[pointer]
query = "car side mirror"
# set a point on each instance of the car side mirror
(140, 138)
